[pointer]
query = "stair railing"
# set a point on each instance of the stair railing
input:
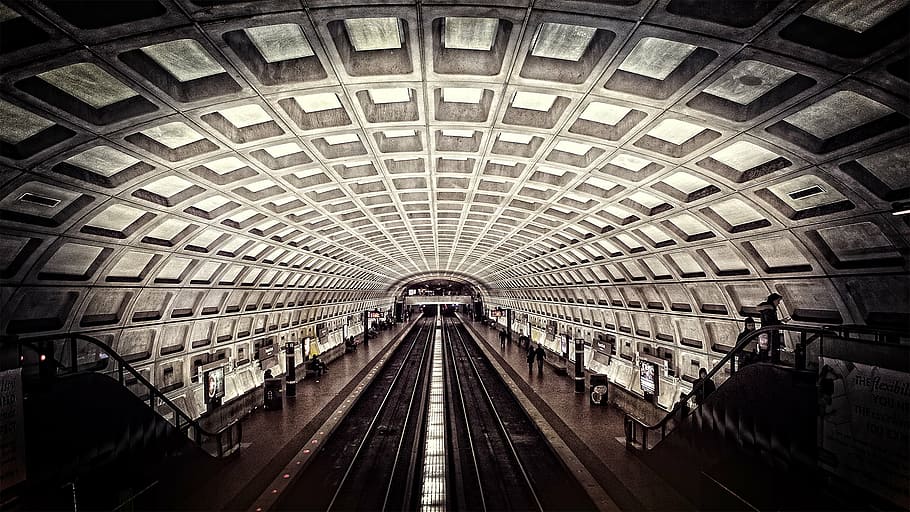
(644, 437)
(62, 356)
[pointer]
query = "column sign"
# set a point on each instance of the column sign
(12, 429)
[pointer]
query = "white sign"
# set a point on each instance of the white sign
(864, 413)
(12, 429)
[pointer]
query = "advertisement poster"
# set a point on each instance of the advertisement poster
(12, 429)
(864, 427)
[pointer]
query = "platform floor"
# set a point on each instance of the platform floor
(273, 438)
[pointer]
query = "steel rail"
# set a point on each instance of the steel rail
(499, 422)
(372, 426)
(464, 412)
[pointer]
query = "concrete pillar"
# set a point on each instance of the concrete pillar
(366, 326)
(579, 365)
(509, 324)
(291, 375)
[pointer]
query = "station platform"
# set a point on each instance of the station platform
(594, 433)
(271, 438)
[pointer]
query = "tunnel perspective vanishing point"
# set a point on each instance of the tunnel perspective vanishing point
(192, 181)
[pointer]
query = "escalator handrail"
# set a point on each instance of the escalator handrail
(186, 422)
(737, 349)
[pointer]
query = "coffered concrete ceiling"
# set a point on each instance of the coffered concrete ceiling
(164, 158)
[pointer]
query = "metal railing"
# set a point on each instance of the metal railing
(645, 437)
(642, 436)
(48, 357)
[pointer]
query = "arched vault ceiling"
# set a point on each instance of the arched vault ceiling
(527, 145)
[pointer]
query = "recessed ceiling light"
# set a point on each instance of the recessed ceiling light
(281, 150)
(394, 134)
(20, 124)
(515, 138)
(278, 43)
(318, 102)
(245, 115)
(575, 148)
(345, 138)
(533, 101)
(89, 84)
(458, 133)
(374, 33)
(390, 95)
(563, 42)
(173, 135)
(469, 33)
(656, 58)
(675, 131)
(604, 113)
(461, 94)
(184, 59)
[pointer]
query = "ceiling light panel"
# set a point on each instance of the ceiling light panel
(855, 16)
(533, 101)
(89, 84)
(748, 81)
(467, 134)
(470, 33)
(563, 42)
(345, 138)
(656, 58)
(184, 59)
(390, 95)
(173, 135)
(278, 43)
(515, 138)
(461, 95)
(245, 115)
(604, 113)
(20, 124)
(281, 150)
(318, 102)
(374, 33)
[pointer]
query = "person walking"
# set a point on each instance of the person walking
(707, 386)
(531, 354)
(502, 339)
(768, 312)
(540, 354)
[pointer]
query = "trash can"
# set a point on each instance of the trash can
(598, 389)
(272, 390)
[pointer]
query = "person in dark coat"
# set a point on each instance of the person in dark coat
(530, 360)
(540, 354)
(707, 386)
(768, 312)
(746, 357)
(502, 339)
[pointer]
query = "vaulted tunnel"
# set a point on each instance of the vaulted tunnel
(186, 178)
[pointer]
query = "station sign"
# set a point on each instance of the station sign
(497, 313)
(375, 314)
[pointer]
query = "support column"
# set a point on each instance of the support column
(366, 326)
(291, 376)
(509, 324)
(579, 365)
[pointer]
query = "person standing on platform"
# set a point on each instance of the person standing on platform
(502, 339)
(707, 386)
(768, 312)
(540, 354)
(531, 354)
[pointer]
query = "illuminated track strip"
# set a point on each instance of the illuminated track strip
(433, 491)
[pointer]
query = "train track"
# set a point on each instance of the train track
(438, 429)
(501, 460)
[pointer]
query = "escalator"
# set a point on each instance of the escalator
(753, 444)
(97, 433)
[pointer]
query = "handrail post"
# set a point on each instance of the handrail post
(800, 353)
